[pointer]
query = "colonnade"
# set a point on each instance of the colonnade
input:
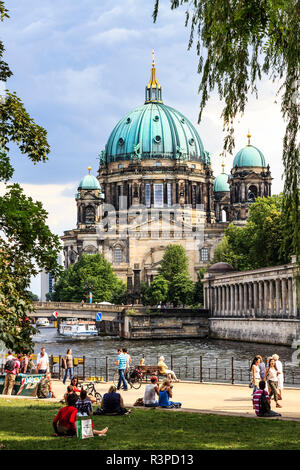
(253, 293)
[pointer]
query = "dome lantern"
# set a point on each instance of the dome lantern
(153, 89)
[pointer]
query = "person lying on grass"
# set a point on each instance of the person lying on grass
(64, 421)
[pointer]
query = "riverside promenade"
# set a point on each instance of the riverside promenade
(234, 400)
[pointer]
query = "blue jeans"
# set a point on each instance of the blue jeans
(70, 370)
(122, 379)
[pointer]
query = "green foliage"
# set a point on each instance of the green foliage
(174, 262)
(237, 42)
(26, 244)
(265, 240)
(198, 289)
(181, 290)
(91, 273)
(33, 297)
(157, 292)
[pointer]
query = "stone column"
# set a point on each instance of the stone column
(250, 304)
(223, 301)
(283, 290)
(215, 300)
(228, 300)
(290, 297)
(260, 298)
(277, 288)
(255, 297)
(236, 299)
(245, 308)
(232, 300)
(266, 298)
(241, 300)
(271, 299)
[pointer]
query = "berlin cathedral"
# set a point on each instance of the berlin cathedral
(155, 169)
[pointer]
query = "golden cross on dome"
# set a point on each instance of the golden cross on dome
(153, 63)
(249, 137)
(89, 168)
(223, 166)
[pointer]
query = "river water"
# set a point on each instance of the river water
(184, 353)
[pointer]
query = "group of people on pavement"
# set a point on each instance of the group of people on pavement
(267, 382)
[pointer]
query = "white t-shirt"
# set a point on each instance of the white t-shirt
(39, 357)
(43, 362)
(149, 396)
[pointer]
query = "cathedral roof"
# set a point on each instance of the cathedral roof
(221, 182)
(154, 130)
(89, 182)
(249, 156)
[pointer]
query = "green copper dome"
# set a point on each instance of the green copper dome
(154, 131)
(221, 183)
(249, 156)
(89, 182)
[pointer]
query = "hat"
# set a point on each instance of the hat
(275, 357)
(161, 358)
(153, 378)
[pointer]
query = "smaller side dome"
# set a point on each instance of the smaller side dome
(249, 156)
(89, 182)
(220, 268)
(221, 183)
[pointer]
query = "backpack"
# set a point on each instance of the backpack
(43, 388)
(264, 405)
(9, 365)
(139, 402)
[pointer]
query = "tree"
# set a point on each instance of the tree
(265, 240)
(198, 288)
(91, 273)
(33, 297)
(157, 292)
(237, 42)
(26, 244)
(173, 262)
(181, 290)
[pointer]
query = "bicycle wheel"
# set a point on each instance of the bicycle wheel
(136, 383)
(116, 379)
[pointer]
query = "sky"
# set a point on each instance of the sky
(80, 65)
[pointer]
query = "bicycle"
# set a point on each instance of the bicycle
(91, 390)
(134, 378)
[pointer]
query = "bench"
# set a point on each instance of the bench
(151, 370)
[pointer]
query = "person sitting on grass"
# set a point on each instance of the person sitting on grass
(70, 392)
(261, 402)
(84, 405)
(112, 403)
(74, 383)
(165, 393)
(44, 388)
(150, 391)
(64, 421)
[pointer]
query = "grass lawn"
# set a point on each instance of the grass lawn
(27, 425)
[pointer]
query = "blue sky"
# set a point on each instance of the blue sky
(80, 65)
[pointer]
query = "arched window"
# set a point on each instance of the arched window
(252, 193)
(89, 215)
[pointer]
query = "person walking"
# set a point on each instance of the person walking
(272, 377)
(122, 362)
(255, 373)
(129, 360)
(69, 366)
(279, 367)
(11, 368)
(42, 362)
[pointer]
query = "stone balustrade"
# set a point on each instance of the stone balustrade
(270, 292)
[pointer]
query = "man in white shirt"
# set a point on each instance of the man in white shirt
(279, 368)
(42, 362)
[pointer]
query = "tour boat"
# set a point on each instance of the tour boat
(78, 328)
(43, 322)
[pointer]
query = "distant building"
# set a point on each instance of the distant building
(47, 281)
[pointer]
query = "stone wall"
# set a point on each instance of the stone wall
(266, 331)
(157, 326)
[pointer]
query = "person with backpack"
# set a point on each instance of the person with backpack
(11, 369)
(261, 402)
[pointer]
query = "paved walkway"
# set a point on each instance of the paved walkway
(209, 398)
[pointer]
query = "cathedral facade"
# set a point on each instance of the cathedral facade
(155, 187)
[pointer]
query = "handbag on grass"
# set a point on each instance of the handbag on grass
(84, 428)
